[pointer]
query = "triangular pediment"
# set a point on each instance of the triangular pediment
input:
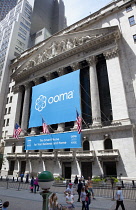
(59, 45)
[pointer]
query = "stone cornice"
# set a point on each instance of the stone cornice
(84, 43)
(111, 53)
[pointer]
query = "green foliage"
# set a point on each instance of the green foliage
(58, 178)
(97, 179)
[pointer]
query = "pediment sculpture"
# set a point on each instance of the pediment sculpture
(57, 48)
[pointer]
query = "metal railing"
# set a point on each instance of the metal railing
(100, 190)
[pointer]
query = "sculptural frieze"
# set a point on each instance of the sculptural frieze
(56, 48)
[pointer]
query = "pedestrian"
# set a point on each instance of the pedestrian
(0, 204)
(90, 186)
(53, 202)
(70, 200)
(83, 197)
(22, 176)
(88, 197)
(69, 189)
(79, 188)
(119, 199)
(27, 178)
(5, 205)
(76, 181)
(32, 184)
(36, 185)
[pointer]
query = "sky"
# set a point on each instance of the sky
(75, 10)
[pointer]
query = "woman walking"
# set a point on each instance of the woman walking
(83, 197)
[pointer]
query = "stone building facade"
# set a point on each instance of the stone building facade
(102, 46)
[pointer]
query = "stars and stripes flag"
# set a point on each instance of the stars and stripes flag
(79, 122)
(45, 127)
(17, 131)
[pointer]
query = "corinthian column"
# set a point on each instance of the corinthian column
(61, 126)
(117, 91)
(34, 130)
(25, 112)
(95, 102)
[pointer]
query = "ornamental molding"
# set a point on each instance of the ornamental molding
(112, 53)
(62, 47)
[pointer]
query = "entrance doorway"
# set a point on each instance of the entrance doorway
(23, 167)
(86, 169)
(109, 169)
(66, 170)
(11, 167)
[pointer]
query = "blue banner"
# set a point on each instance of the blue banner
(53, 141)
(56, 101)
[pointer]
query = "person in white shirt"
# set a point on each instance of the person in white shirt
(70, 199)
(119, 199)
(69, 189)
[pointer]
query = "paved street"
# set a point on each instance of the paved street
(24, 200)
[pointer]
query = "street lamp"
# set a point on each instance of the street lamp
(45, 180)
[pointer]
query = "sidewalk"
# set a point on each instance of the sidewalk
(24, 200)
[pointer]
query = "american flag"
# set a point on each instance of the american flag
(45, 127)
(79, 122)
(17, 131)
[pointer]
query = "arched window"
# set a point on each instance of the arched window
(86, 145)
(108, 144)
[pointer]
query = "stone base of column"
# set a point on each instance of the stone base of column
(61, 128)
(121, 122)
(74, 127)
(34, 131)
(96, 125)
(23, 133)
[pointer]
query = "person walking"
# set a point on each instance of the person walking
(90, 186)
(70, 199)
(5, 205)
(79, 188)
(22, 176)
(32, 184)
(76, 181)
(83, 198)
(119, 199)
(36, 185)
(88, 197)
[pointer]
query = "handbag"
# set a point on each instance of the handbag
(86, 199)
(31, 188)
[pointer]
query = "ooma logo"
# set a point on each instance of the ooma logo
(41, 102)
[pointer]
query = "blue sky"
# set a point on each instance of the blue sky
(77, 9)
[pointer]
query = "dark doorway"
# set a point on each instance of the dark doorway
(11, 167)
(23, 166)
(110, 169)
(86, 169)
(66, 170)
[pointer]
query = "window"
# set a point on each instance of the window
(131, 20)
(9, 111)
(5, 110)
(10, 100)
(23, 31)
(134, 37)
(22, 36)
(7, 124)
(128, 8)
(108, 144)
(86, 145)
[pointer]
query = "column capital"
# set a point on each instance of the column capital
(36, 81)
(111, 53)
(17, 89)
(91, 60)
(27, 85)
(61, 71)
(75, 66)
(48, 76)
